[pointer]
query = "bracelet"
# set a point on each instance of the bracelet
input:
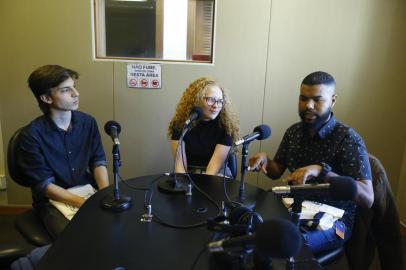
(325, 169)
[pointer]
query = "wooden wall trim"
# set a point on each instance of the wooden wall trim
(13, 210)
(402, 229)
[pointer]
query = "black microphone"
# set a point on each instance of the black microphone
(171, 184)
(116, 202)
(195, 114)
(261, 132)
(338, 187)
(113, 129)
(276, 238)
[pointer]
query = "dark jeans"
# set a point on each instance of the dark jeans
(54, 221)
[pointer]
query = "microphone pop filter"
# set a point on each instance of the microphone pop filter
(264, 131)
(112, 124)
(342, 188)
(278, 238)
(196, 112)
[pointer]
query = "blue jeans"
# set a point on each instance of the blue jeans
(319, 241)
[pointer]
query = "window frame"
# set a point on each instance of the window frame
(99, 41)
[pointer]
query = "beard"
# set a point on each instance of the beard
(316, 123)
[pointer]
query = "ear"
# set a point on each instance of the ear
(333, 100)
(46, 99)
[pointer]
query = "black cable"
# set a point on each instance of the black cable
(204, 193)
(225, 179)
(150, 190)
(181, 150)
(201, 252)
(224, 174)
(184, 131)
(195, 186)
(157, 219)
(133, 187)
(199, 189)
(176, 226)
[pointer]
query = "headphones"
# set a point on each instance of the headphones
(240, 221)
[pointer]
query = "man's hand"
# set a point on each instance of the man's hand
(79, 202)
(59, 194)
(259, 162)
(301, 175)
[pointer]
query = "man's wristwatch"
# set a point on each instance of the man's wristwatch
(325, 169)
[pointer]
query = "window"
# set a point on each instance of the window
(154, 30)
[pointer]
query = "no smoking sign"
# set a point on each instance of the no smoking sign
(144, 75)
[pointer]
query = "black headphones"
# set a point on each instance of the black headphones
(240, 221)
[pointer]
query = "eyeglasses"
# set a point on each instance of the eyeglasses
(211, 100)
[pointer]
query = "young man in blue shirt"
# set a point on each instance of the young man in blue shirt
(320, 146)
(60, 149)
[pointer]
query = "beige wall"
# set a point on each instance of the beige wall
(35, 33)
(263, 50)
(362, 44)
(1, 153)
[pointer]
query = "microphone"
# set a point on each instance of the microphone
(113, 129)
(171, 184)
(116, 202)
(195, 114)
(339, 188)
(276, 238)
(261, 132)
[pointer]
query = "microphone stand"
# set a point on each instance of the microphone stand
(242, 196)
(116, 202)
(171, 184)
(292, 263)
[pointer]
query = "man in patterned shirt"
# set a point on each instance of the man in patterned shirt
(321, 147)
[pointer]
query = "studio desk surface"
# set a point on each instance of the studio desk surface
(97, 238)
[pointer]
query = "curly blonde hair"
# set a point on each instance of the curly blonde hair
(193, 96)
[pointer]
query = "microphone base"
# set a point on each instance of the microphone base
(245, 202)
(169, 185)
(116, 205)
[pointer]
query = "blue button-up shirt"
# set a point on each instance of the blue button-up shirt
(49, 154)
(335, 144)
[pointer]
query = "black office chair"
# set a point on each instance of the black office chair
(10, 252)
(330, 256)
(233, 165)
(28, 223)
(377, 228)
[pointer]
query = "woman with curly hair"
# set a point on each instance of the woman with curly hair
(207, 144)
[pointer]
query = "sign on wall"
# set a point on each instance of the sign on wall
(144, 75)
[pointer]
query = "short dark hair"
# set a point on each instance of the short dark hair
(46, 77)
(319, 77)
